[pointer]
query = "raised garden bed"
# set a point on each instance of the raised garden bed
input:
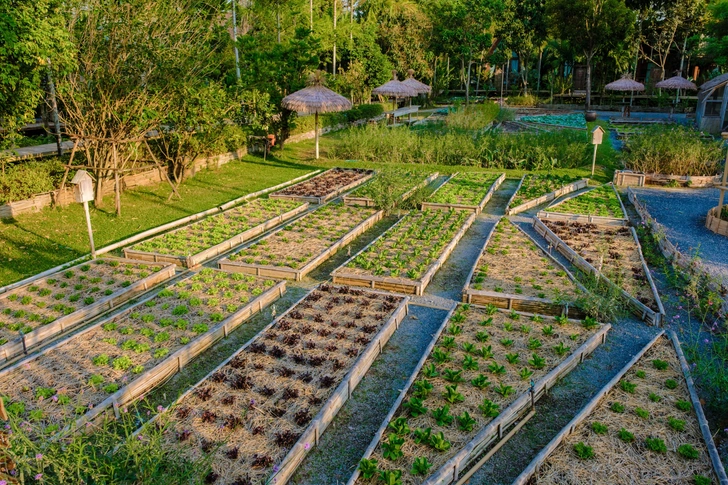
(389, 186)
(601, 205)
(573, 120)
(122, 358)
(471, 385)
(259, 413)
(514, 273)
(406, 257)
(297, 249)
(612, 253)
(639, 179)
(192, 245)
(535, 190)
(469, 191)
(645, 426)
(53, 305)
(326, 186)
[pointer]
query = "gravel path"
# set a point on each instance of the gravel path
(683, 212)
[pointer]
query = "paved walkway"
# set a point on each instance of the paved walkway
(37, 151)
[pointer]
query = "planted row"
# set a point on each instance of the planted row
(573, 120)
(465, 188)
(537, 185)
(248, 414)
(601, 201)
(63, 293)
(326, 184)
(389, 187)
(71, 378)
(483, 360)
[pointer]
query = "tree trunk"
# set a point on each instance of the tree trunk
(310, 12)
(588, 80)
(117, 181)
(538, 83)
(278, 22)
(334, 69)
(467, 85)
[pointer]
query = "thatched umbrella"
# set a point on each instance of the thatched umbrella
(419, 87)
(316, 98)
(677, 82)
(395, 89)
(625, 84)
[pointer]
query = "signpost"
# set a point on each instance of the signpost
(597, 135)
(83, 192)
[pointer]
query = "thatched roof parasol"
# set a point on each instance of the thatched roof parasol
(316, 99)
(625, 84)
(677, 82)
(419, 87)
(395, 89)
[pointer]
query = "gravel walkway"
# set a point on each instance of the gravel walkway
(683, 212)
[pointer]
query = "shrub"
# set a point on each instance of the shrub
(527, 100)
(26, 179)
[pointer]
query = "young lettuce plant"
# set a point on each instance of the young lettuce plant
(415, 407)
(421, 466)
(439, 442)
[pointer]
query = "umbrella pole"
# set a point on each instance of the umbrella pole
(316, 128)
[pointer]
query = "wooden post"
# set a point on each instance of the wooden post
(3, 413)
(90, 231)
(725, 179)
(594, 160)
(316, 128)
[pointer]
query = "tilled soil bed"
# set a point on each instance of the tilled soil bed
(324, 185)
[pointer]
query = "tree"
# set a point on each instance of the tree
(32, 33)
(592, 27)
(523, 29)
(716, 42)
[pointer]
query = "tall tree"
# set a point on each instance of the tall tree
(523, 29)
(592, 27)
(716, 42)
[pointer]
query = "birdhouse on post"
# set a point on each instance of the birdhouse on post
(597, 135)
(83, 192)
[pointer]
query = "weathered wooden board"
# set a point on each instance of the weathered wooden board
(566, 189)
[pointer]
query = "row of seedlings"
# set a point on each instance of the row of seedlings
(537, 189)
(473, 383)
(322, 188)
(390, 187)
(406, 257)
(259, 413)
(645, 426)
(200, 241)
(45, 308)
(600, 205)
(124, 357)
(514, 273)
(300, 247)
(469, 191)
(611, 253)
(571, 120)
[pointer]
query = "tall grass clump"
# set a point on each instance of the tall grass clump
(524, 151)
(526, 100)
(672, 150)
(475, 117)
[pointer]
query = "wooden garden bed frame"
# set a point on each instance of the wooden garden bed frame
(283, 272)
(566, 189)
(44, 333)
(586, 219)
(404, 286)
(477, 209)
(311, 436)
(535, 465)
(641, 310)
(527, 304)
(495, 432)
(367, 202)
(216, 250)
(320, 200)
(173, 364)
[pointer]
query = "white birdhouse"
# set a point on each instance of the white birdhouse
(597, 135)
(84, 187)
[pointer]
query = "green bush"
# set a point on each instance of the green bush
(672, 150)
(528, 100)
(305, 124)
(25, 179)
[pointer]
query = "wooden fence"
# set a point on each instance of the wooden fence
(639, 179)
(566, 189)
(399, 285)
(44, 333)
(216, 250)
(324, 198)
(638, 308)
(298, 274)
(367, 202)
(714, 222)
(477, 209)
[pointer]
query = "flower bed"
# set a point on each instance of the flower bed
(614, 252)
(469, 191)
(406, 257)
(194, 244)
(297, 249)
(63, 300)
(389, 187)
(513, 272)
(643, 420)
(601, 202)
(477, 373)
(326, 186)
(538, 189)
(573, 120)
(121, 358)
(259, 413)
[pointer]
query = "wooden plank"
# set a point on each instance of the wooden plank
(566, 189)
(583, 219)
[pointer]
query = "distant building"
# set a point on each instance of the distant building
(712, 108)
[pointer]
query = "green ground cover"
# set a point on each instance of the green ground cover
(465, 189)
(601, 201)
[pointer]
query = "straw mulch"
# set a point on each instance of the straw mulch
(513, 264)
(614, 249)
(619, 463)
(326, 183)
(571, 335)
(250, 413)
